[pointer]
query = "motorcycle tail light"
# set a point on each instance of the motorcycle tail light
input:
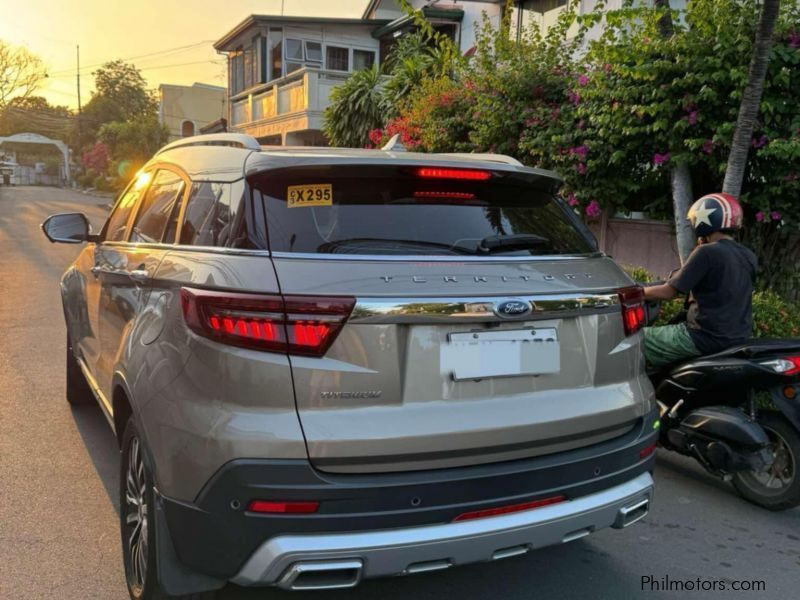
(633, 314)
(787, 365)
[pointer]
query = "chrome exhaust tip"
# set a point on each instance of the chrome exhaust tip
(628, 515)
(322, 575)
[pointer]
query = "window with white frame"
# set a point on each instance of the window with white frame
(363, 59)
(337, 58)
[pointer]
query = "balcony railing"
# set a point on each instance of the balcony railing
(305, 90)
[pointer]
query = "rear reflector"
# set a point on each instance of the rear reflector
(504, 510)
(648, 450)
(305, 325)
(438, 173)
(633, 315)
(286, 508)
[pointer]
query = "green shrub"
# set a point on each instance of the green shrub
(638, 274)
(775, 317)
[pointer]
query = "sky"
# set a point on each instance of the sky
(169, 40)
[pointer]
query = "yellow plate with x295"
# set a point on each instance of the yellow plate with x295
(317, 194)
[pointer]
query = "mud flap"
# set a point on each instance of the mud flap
(176, 578)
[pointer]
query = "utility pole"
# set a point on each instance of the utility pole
(80, 128)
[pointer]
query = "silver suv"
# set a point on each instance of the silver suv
(324, 365)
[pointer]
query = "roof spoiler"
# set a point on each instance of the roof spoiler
(233, 140)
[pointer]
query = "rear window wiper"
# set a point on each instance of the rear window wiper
(385, 246)
(517, 241)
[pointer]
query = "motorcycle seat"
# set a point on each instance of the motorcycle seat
(757, 347)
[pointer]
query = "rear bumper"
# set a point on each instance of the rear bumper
(342, 560)
(216, 536)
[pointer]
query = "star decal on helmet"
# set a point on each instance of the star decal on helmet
(700, 215)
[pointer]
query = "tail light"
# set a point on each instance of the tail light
(440, 173)
(304, 325)
(786, 365)
(633, 314)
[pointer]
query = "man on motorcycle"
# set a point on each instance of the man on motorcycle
(718, 277)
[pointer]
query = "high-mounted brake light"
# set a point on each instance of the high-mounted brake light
(285, 508)
(436, 195)
(633, 314)
(305, 325)
(440, 173)
(505, 510)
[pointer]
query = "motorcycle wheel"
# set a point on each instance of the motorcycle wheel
(777, 488)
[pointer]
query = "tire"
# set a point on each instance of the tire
(759, 488)
(78, 391)
(137, 528)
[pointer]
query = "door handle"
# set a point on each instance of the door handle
(139, 274)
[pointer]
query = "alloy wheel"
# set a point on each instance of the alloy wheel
(136, 516)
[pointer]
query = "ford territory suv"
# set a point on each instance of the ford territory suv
(324, 365)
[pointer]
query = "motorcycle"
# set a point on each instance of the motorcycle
(737, 412)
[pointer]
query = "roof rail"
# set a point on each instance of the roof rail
(234, 140)
(487, 156)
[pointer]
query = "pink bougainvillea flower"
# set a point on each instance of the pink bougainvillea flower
(580, 151)
(660, 159)
(759, 143)
(794, 39)
(581, 124)
(593, 209)
(555, 113)
(575, 98)
(583, 81)
(581, 168)
(708, 146)
(775, 215)
(692, 117)
(759, 216)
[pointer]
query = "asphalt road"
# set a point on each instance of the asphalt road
(58, 480)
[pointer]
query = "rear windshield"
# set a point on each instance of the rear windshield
(416, 211)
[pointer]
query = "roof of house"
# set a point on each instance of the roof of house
(258, 20)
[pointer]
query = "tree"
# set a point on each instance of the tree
(21, 73)
(751, 99)
(34, 114)
(357, 107)
(135, 140)
(121, 94)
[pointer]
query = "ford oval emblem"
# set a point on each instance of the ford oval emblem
(512, 308)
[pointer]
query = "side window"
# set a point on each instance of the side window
(116, 226)
(210, 216)
(157, 218)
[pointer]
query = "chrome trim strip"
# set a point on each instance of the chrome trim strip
(478, 308)
(187, 248)
(412, 258)
(105, 405)
(391, 552)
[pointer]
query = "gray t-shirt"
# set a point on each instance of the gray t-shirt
(720, 277)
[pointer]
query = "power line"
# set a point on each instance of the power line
(156, 67)
(157, 53)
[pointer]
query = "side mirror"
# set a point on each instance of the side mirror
(68, 228)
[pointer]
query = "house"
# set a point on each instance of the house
(545, 13)
(186, 109)
(281, 69)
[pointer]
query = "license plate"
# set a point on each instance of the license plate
(318, 194)
(503, 353)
